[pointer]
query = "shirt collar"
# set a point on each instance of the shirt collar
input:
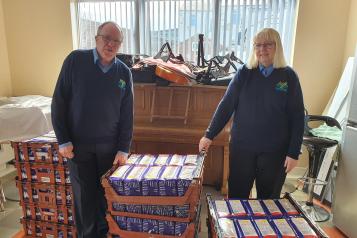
(268, 70)
(261, 67)
(96, 57)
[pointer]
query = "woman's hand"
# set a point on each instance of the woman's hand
(290, 164)
(204, 144)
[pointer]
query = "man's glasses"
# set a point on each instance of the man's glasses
(107, 40)
(268, 45)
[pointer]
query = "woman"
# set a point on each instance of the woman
(266, 102)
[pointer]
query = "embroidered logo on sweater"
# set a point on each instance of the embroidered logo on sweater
(121, 84)
(282, 86)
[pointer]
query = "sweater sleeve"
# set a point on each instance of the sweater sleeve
(296, 115)
(126, 117)
(60, 101)
(225, 108)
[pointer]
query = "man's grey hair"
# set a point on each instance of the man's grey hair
(100, 27)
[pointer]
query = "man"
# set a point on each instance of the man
(92, 115)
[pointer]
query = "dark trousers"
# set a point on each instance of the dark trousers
(90, 162)
(267, 169)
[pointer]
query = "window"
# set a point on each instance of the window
(227, 25)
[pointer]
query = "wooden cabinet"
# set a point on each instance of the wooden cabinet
(173, 119)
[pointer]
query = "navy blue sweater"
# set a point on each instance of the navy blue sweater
(268, 111)
(90, 106)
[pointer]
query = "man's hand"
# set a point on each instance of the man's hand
(204, 144)
(290, 164)
(120, 159)
(67, 151)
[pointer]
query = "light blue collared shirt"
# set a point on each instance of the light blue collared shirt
(266, 71)
(102, 67)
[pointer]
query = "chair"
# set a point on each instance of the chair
(316, 147)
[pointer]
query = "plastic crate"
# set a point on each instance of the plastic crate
(115, 231)
(191, 198)
(34, 228)
(44, 173)
(38, 152)
(192, 192)
(59, 214)
(44, 193)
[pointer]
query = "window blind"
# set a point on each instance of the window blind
(227, 25)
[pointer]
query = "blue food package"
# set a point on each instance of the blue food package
(185, 179)
(168, 181)
(236, 208)
(166, 227)
(121, 221)
(191, 159)
(228, 227)
(134, 208)
(132, 182)
(150, 182)
(180, 228)
(182, 211)
(159, 210)
(146, 160)
(177, 160)
(117, 177)
(134, 224)
(255, 208)
(133, 158)
(303, 229)
(246, 228)
(271, 207)
(150, 226)
(42, 153)
(283, 228)
(265, 228)
(162, 159)
(222, 208)
(287, 207)
(119, 207)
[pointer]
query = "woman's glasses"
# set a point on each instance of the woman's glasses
(268, 45)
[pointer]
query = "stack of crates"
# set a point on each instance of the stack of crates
(139, 213)
(44, 188)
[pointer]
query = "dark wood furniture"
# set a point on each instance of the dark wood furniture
(173, 119)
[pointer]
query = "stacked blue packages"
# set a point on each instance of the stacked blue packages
(184, 179)
(182, 211)
(168, 181)
(119, 207)
(166, 227)
(150, 183)
(162, 159)
(133, 159)
(191, 160)
(180, 228)
(117, 178)
(132, 182)
(134, 224)
(150, 226)
(146, 160)
(177, 160)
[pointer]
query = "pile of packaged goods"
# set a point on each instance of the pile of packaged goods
(44, 188)
(259, 218)
(156, 194)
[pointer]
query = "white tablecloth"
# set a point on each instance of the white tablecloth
(24, 117)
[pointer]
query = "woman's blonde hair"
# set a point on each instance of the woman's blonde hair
(268, 34)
